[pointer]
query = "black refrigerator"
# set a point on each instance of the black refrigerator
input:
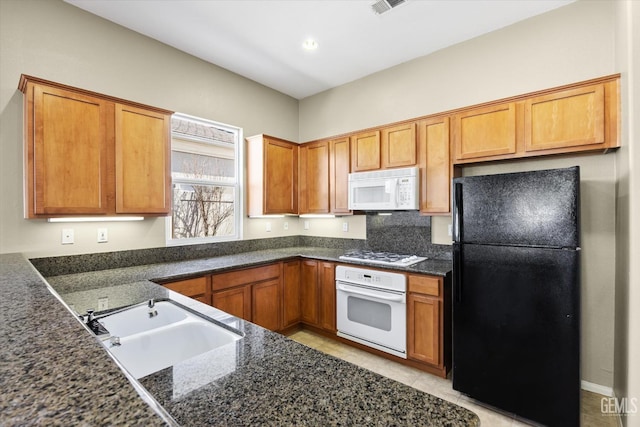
(516, 293)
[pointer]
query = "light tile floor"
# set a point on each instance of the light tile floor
(591, 415)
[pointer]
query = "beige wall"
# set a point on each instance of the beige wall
(567, 45)
(59, 42)
(627, 316)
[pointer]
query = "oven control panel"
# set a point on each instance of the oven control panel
(374, 278)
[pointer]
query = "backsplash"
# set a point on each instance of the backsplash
(404, 233)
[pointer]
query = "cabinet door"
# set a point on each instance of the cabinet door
(365, 151)
(565, 119)
(399, 146)
(280, 177)
(484, 132)
(291, 294)
(423, 328)
(197, 288)
(143, 174)
(340, 166)
(266, 304)
(327, 288)
(309, 292)
(236, 301)
(67, 152)
(436, 178)
(314, 178)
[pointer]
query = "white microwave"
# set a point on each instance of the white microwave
(384, 190)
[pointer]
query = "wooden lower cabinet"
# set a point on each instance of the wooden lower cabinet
(197, 288)
(424, 328)
(265, 304)
(236, 301)
(253, 294)
(291, 313)
(428, 317)
(318, 294)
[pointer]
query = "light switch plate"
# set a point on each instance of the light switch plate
(268, 227)
(306, 224)
(345, 226)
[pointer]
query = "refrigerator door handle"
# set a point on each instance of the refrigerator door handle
(457, 212)
(457, 273)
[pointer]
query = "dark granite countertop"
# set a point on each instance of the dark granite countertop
(62, 375)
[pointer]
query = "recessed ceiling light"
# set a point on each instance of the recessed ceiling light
(310, 44)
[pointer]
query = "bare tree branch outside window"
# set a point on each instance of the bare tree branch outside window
(201, 210)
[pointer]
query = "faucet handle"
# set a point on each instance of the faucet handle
(90, 315)
(151, 303)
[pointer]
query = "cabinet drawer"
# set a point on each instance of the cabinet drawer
(425, 285)
(243, 277)
(189, 287)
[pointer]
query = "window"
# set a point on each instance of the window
(205, 173)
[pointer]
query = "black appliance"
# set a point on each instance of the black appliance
(516, 293)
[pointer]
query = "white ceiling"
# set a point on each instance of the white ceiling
(262, 39)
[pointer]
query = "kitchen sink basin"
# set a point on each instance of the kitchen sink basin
(136, 319)
(144, 344)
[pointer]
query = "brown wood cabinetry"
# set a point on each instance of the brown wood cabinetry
(365, 151)
(314, 178)
(253, 294)
(291, 313)
(318, 294)
(141, 162)
(436, 169)
(272, 176)
(565, 119)
(569, 119)
(486, 131)
(90, 154)
(266, 303)
(197, 288)
(339, 168)
(399, 146)
(426, 330)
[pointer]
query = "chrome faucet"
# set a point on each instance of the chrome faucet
(152, 311)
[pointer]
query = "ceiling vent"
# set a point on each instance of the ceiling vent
(382, 6)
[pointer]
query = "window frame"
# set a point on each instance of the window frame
(238, 186)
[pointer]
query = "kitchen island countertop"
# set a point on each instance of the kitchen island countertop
(56, 372)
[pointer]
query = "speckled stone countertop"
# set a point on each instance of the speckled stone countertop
(62, 375)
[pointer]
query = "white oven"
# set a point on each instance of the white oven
(371, 308)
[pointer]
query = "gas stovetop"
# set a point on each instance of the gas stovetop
(384, 258)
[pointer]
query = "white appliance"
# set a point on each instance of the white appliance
(384, 190)
(381, 257)
(371, 308)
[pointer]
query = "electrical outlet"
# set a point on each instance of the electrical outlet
(268, 227)
(345, 226)
(67, 236)
(286, 225)
(103, 303)
(306, 224)
(450, 230)
(103, 237)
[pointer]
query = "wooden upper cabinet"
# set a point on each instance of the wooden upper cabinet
(272, 175)
(67, 148)
(399, 146)
(365, 151)
(143, 161)
(485, 132)
(565, 119)
(314, 178)
(339, 168)
(436, 171)
(77, 141)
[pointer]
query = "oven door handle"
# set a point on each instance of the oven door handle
(397, 298)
